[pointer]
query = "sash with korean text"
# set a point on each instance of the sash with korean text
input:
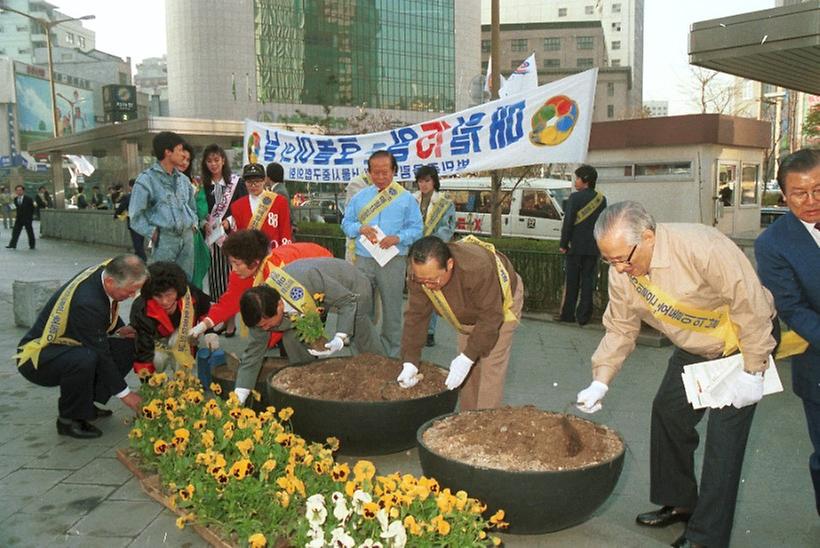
(220, 209)
(435, 214)
(181, 350)
(262, 207)
(589, 209)
(380, 201)
(291, 290)
(57, 322)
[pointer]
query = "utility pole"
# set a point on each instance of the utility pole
(495, 81)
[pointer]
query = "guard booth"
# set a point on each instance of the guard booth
(703, 168)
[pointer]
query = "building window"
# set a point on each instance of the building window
(589, 10)
(616, 44)
(82, 41)
(552, 44)
(749, 184)
(562, 12)
(485, 46)
(679, 169)
(585, 42)
(615, 63)
(69, 37)
(551, 63)
(518, 44)
(610, 89)
(616, 27)
(22, 28)
(610, 111)
(584, 62)
(616, 8)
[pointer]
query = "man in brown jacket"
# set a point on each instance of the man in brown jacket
(694, 285)
(477, 290)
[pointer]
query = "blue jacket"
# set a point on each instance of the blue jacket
(162, 200)
(401, 218)
(788, 262)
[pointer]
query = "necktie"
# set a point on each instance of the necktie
(115, 314)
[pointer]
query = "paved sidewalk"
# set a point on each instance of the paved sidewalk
(58, 490)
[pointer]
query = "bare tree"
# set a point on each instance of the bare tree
(712, 93)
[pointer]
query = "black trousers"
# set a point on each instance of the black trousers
(813, 420)
(15, 233)
(580, 275)
(672, 464)
(138, 241)
(74, 370)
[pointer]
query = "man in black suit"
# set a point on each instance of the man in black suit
(580, 213)
(25, 215)
(86, 351)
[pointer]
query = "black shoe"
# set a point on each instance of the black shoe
(683, 542)
(100, 413)
(77, 429)
(10, 247)
(662, 517)
(431, 339)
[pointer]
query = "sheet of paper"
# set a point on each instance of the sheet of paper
(217, 234)
(382, 256)
(708, 384)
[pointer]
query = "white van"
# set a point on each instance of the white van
(534, 209)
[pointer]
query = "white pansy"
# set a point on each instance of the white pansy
(383, 518)
(359, 499)
(395, 536)
(370, 543)
(317, 537)
(340, 539)
(315, 510)
(341, 511)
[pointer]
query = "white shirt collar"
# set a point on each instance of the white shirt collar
(102, 279)
(813, 231)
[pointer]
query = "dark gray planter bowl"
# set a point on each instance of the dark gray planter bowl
(362, 427)
(533, 502)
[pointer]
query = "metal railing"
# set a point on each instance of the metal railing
(543, 274)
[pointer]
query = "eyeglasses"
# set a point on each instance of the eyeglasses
(255, 182)
(428, 282)
(627, 261)
(801, 196)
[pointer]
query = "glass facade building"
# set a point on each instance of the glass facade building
(390, 54)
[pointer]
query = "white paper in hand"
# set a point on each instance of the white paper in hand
(382, 256)
(707, 384)
(217, 234)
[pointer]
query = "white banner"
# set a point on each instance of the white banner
(545, 125)
(525, 78)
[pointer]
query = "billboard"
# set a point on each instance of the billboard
(75, 109)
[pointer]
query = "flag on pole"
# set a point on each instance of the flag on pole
(525, 78)
(488, 80)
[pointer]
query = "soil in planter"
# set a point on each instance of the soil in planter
(366, 377)
(521, 439)
(228, 371)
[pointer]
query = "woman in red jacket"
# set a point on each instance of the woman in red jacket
(262, 209)
(247, 253)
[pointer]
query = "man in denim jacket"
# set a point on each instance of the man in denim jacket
(162, 206)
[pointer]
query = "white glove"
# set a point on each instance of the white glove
(748, 389)
(589, 399)
(459, 368)
(211, 341)
(409, 375)
(242, 394)
(161, 358)
(200, 328)
(335, 344)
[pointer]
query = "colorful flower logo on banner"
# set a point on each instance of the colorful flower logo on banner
(254, 147)
(553, 123)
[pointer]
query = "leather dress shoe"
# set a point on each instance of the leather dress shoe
(100, 413)
(662, 517)
(77, 429)
(683, 542)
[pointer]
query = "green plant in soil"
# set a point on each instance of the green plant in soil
(309, 327)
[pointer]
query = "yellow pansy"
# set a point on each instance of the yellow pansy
(216, 388)
(245, 447)
(442, 525)
(284, 498)
(160, 447)
(257, 540)
(135, 434)
(369, 510)
(157, 379)
(412, 526)
(285, 413)
(208, 439)
(363, 470)
(241, 468)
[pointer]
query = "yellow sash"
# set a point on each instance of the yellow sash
(57, 322)
(434, 217)
(380, 201)
(791, 344)
(291, 290)
(589, 209)
(265, 201)
(181, 350)
(667, 309)
(443, 307)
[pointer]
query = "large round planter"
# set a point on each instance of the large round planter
(533, 502)
(225, 377)
(362, 427)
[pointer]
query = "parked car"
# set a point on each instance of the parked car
(768, 215)
(319, 211)
(532, 209)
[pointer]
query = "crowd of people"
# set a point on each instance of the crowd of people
(688, 281)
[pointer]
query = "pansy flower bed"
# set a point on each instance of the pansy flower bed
(249, 477)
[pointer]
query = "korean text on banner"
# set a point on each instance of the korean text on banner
(548, 124)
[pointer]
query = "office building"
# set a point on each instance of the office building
(656, 109)
(20, 36)
(276, 60)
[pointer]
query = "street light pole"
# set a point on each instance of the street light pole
(47, 26)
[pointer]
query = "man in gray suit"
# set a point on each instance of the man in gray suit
(266, 309)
